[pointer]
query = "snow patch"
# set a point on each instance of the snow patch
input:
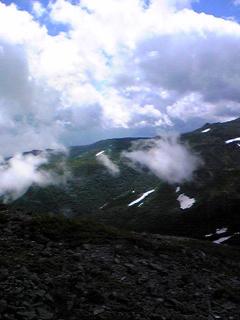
(141, 198)
(208, 235)
(185, 201)
(232, 140)
(206, 130)
(222, 230)
(99, 153)
(177, 189)
(222, 240)
(103, 206)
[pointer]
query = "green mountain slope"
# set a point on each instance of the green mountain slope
(215, 189)
(89, 185)
(92, 190)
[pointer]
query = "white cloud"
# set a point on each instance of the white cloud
(19, 27)
(21, 172)
(112, 168)
(28, 110)
(167, 158)
(38, 9)
(118, 65)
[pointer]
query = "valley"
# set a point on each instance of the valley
(136, 199)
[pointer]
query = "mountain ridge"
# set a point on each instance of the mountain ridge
(92, 190)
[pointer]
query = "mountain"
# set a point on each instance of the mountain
(57, 268)
(205, 208)
(89, 184)
(212, 199)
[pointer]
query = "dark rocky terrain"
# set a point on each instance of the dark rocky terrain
(54, 268)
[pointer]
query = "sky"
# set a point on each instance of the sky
(228, 9)
(74, 72)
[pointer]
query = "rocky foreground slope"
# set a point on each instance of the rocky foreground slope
(53, 268)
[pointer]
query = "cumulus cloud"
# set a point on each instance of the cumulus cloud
(166, 64)
(28, 118)
(116, 68)
(38, 9)
(14, 82)
(112, 168)
(19, 173)
(182, 59)
(166, 157)
(189, 62)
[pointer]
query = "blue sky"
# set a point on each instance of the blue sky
(219, 8)
(24, 4)
(27, 4)
(53, 29)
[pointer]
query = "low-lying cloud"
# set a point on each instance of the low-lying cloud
(167, 158)
(19, 173)
(112, 168)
